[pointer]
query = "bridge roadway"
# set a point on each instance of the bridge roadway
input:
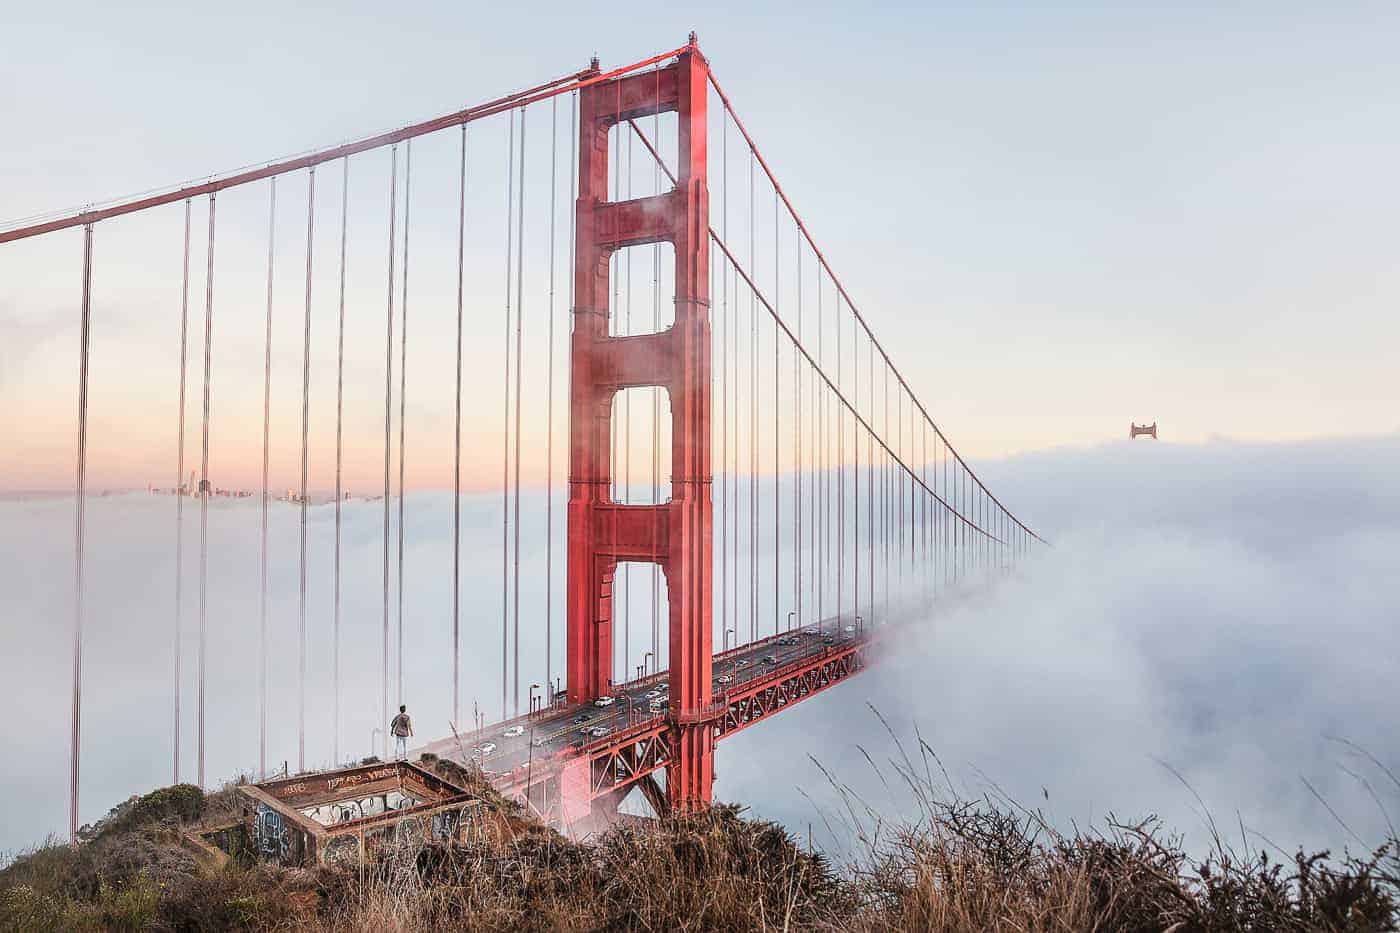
(566, 731)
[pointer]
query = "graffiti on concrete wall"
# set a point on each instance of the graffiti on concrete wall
(271, 840)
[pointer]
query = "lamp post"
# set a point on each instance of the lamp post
(860, 626)
(727, 633)
(372, 733)
(644, 662)
(533, 688)
(791, 613)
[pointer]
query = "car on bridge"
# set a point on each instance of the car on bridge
(604, 701)
(725, 679)
(485, 748)
(598, 732)
(770, 659)
(514, 731)
(581, 718)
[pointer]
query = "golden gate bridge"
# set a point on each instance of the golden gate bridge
(763, 395)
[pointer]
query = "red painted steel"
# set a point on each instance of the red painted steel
(676, 535)
(618, 761)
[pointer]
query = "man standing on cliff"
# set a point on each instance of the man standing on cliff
(402, 728)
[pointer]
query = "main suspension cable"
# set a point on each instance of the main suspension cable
(756, 297)
(802, 227)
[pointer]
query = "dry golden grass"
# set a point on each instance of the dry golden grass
(956, 866)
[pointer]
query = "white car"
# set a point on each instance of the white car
(742, 662)
(486, 748)
(849, 629)
(599, 731)
(653, 694)
(725, 678)
(658, 705)
(514, 731)
(538, 741)
(603, 701)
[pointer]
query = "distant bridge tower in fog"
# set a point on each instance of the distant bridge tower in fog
(1150, 430)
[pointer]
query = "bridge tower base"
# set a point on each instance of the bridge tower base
(676, 535)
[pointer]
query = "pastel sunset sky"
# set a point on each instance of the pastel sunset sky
(1058, 222)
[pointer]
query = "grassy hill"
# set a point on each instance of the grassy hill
(957, 866)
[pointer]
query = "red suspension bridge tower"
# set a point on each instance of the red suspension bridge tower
(602, 531)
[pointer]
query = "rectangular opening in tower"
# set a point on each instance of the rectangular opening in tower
(641, 620)
(642, 297)
(641, 444)
(633, 171)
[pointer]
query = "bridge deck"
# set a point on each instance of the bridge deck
(742, 678)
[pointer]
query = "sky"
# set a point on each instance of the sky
(1059, 220)
(1225, 608)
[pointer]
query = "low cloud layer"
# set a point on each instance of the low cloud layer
(1223, 608)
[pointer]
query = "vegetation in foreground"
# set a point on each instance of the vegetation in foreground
(959, 866)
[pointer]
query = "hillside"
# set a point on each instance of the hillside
(960, 866)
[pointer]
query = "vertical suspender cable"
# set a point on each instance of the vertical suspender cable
(840, 462)
(305, 457)
(725, 473)
(549, 418)
(797, 453)
(403, 393)
(262, 505)
(777, 499)
(457, 446)
(625, 571)
(573, 200)
(615, 329)
(655, 392)
(519, 362)
(179, 487)
(815, 496)
(204, 495)
(79, 538)
(753, 425)
(797, 439)
(505, 432)
(870, 488)
(923, 511)
(388, 442)
(339, 456)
